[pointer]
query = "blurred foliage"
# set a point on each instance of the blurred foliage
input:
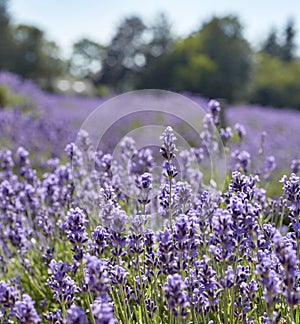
(86, 58)
(26, 51)
(124, 57)
(283, 48)
(215, 61)
(36, 57)
(275, 82)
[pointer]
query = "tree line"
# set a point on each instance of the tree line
(215, 61)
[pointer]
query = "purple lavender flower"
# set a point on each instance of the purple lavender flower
(285, 250)
(151, 307)
(240, 129)
(95, 275)
(269, 166)
(76, 315)
(25, 312)
(75, 226)
(54, 318)
(295, 166)
(168, 147)
(8, 295)
(215, 109)
(177, 297)
(99, 241)
(229, 279)
(292, 191)
(64, 286)
(76, 230)
(144, 183)
(166, 251)
(242, 160)
(164, 200)
(142, 161)
(6, 159)
(291, 187)
(223, 240)
(118, 275)
(103, 311)
(170, 170)
(226, 134)
(182, 198)
(207, 291)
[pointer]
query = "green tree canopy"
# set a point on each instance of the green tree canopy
(222, 40)
(275, 82)
(5, 36)
(283, 47)
(124, 55)
(34, 56)
(86, 58)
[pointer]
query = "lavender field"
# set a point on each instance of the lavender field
(88, 238)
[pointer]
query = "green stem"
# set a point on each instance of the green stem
(63, 310)
(89, 300)
(232, 306)
(124, 317)
(143, 293)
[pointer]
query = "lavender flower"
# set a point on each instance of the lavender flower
(103, 311)
(144, 183)
(96, 276)
(8, 295)
(99, 241)
(75, 226)
(166, 251)
(142, 161)
(168, 147)
(151, 307)
(54, 318)
(61, 283)
(226, 134)
(76, 230)
(76, 315)
(177, 297)
(229, 279)
(295, 166)
(25, 312)
(170, 170)
(215, 109)
(242, 160)
(207, 291)
(118, 275)
(240, 129)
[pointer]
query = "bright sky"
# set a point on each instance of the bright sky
(66, 21)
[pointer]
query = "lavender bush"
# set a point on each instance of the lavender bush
(76, 249)
(88, 238)
(45, 123)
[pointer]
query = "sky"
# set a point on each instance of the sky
(66, 21)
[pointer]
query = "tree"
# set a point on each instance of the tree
(289, 46)
(161, 38)
(284, 47)
(193, 69)
(215, 61)
(271, 46)
(35, 57)
(157, 54)
(124, 57)
(5, 36)
(222, 41)
(275, 82)
(86, 58)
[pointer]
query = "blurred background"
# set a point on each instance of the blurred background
(239, 51)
